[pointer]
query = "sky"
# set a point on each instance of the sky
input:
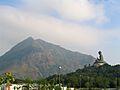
(85, 26)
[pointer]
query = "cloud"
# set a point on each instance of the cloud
(75, 10)
(16, 24)
(63, 22)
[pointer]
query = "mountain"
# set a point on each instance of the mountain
(37, 58)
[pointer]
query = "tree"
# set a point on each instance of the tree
(29, 82)
(43, 84)
(1, 80)
(8, 78)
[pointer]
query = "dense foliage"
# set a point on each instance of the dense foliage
(7, 78)
(105, 76)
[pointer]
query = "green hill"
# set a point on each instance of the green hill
(105, 76)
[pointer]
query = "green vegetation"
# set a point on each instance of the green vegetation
(1, 80)
(7, 78)
(90, 77)
(105, 76)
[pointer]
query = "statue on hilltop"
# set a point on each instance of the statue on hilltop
(100, 58)
(99, 61)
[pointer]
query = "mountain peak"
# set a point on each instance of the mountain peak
(27, 43)
(38, 58)
(30, 38)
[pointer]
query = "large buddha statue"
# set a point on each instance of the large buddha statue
(99, 61)
(100, 56)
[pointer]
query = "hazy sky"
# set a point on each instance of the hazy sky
(86, 26)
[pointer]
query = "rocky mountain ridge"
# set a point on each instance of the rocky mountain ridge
(37, 58)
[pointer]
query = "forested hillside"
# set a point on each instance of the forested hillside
(106, 76)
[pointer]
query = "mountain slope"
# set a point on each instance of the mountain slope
(37, 58)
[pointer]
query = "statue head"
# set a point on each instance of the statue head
(99, 52)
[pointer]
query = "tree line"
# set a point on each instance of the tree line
(105, 76)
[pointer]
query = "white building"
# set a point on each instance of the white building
(12, 87)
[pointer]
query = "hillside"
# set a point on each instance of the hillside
(37, 58)
(105, 76)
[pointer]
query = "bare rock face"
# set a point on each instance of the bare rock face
(37, 58)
